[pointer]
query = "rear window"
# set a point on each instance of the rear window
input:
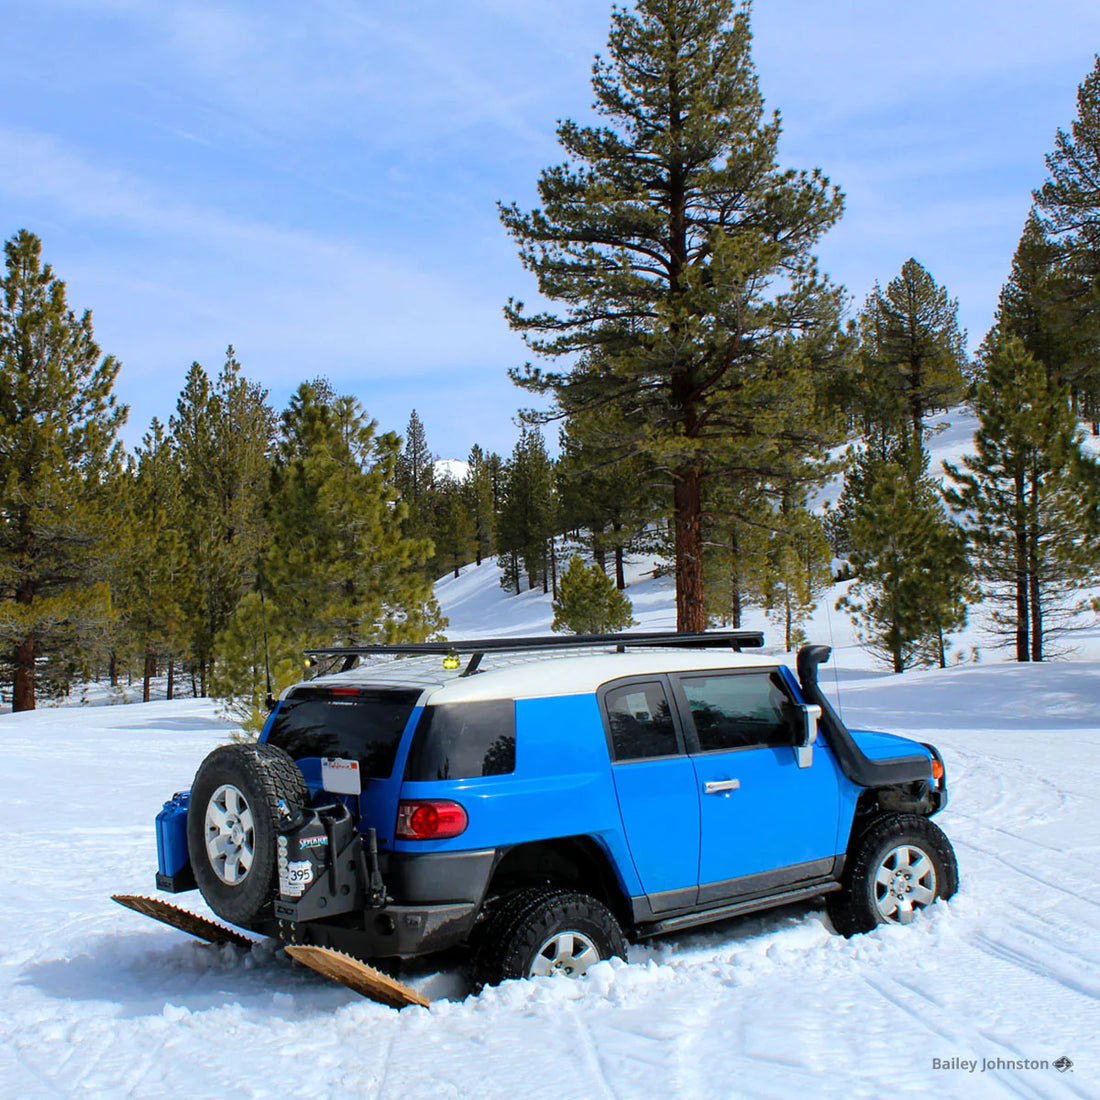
(360, 725)
(464, 741)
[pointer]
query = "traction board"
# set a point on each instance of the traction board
(348, 971)
(179, 918)
(357, 975)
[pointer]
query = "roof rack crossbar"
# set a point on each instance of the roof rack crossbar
(712, 639)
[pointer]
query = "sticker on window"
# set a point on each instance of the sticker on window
(340, 776)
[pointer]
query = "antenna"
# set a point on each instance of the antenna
(836, 675)
(269, 699)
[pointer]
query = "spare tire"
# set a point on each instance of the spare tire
(232, 819)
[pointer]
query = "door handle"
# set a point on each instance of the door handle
(721, 786)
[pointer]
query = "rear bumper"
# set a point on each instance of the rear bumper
(433, 899)
(401, 931)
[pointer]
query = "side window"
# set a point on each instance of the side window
(464, 741)
(739, 711)
(641, 722)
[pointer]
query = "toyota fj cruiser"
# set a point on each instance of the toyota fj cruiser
(542, 807)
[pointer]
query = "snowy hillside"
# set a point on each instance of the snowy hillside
(100, 1002)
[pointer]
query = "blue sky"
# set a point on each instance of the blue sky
(316, 184)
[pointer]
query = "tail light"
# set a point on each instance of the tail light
(430, 819)
(937, 769)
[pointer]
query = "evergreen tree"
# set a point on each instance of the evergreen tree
(589, 602)
(911, 573)
(58, 423)
(223, 436)
(912, 354)
(609, 502)
(455, 532)
(480, 497)
(528, 512)
(680, 255)
(415, 478)
(158, 570)
(737, 528)
(799, 568)
(1069, 202)
(338, 568)
(1025, 497)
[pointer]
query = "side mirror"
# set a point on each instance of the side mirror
(807, 734)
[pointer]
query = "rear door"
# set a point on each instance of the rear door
(656, 788)
(764, 821)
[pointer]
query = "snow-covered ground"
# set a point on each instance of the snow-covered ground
(96, 1001)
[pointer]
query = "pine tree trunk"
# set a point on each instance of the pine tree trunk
(691, 616)
(1020, 539)
(600, 557)
(171, 677)
(202, 677)
(112, 668)
(789, 618)
(943, 650)
(554, 567)
(735, 581)
(1033, 579)
(22, 695)
(194, 685)
(147, 676)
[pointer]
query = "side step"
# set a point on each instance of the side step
(357, 975)
(190, 923)
(350, 972)
(737, 909)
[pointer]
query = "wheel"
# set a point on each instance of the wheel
(546, 932)
(897, 867)
(231, 827)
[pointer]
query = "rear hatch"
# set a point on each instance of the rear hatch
(366, 725)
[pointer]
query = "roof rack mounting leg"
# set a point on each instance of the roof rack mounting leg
(471, 668)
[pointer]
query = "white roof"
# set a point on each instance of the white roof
(536, 675)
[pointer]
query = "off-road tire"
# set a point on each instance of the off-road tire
(853, 909)
(264, 775)
(521, 923)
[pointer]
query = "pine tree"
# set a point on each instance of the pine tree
(911, 573)
(589, 602)
(1069, 202)
(58, 423)
(799, 567)
(223, 436)
(158, 572)
(609, 502)
(680, 256)
(338, 568)
(912, 354)
(455, 532)
(528, 513)
(415, 478)
(736, 531)
(1025, 497)
(480, 497)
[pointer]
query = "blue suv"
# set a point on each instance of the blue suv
(545, 805)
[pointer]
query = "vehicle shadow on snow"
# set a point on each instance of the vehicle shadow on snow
(141, 975)
(144, 974)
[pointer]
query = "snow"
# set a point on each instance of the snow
(96, 1001)
(454, 468)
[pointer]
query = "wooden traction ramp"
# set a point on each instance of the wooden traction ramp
(335, 965)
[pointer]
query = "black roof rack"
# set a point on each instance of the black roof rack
(478, 647)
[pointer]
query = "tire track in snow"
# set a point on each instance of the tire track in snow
(953, 1030)
(591, 1055)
